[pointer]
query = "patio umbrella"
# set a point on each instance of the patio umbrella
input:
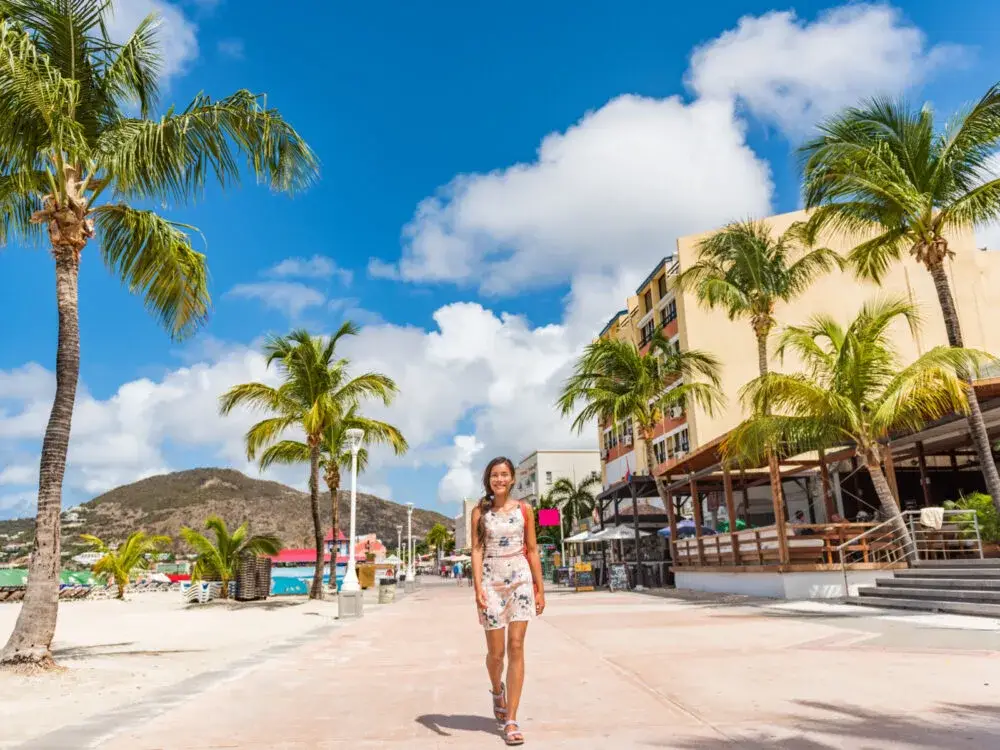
(685, 529)
(583, 536)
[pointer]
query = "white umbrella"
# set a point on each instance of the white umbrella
(620, 533)
(583, 536)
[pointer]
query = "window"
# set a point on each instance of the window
(679, 442)
(661, 286)
(671, 312)
(548, 477)
(647, 300)
(647, 332)
(660, 451)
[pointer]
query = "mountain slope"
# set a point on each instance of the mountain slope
(162, 504)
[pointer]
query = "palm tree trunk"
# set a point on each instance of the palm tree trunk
(977, 426)
(31, 641)
(774, 468)
(333, 484)
(887, 504)
(316, 592)
(762, 364)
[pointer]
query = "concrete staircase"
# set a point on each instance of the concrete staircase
(961, 587)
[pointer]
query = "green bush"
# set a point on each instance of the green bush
(986, 514)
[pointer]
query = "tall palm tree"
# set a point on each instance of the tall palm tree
(575, 501)
(82, 143)
(882, 172)
(746, 270)
(118, 563)
(335, 455)
(220, 559)
(854, 390)
(615, 383)
(438, 538)
(316, 392)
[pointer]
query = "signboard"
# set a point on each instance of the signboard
(584, 576)
(618, 580)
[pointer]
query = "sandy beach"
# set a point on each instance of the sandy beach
(117, 653)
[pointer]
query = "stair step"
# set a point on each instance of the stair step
(929, 605)
(965, 562)
(964, 595)
(956, 573)
(940, 582)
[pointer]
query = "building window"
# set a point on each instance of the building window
(679, 442)
(647, 300)
(671, 312)
(548, 477)
(661, 286)
(660, 451)
(647, 332)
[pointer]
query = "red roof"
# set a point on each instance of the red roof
(304, 556)
(340, 536)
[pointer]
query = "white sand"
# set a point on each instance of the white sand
(117, 653)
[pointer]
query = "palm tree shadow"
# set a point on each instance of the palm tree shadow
(438, 723)
(949, 726)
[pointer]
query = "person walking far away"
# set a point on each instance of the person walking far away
(507, 578)
(457, 572)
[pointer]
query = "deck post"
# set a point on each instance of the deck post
(890, 474)
(778, 498)
(672, 516)
(635, 528)
(824, 475)
(698, 519)
(925, 480)
(727, 484)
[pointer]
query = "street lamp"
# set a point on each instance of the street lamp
(351, 583)
(410, 574)
(399, 544)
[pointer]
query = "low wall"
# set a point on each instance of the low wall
(820, 584)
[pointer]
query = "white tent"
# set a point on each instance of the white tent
(392, 560)
(583, 536)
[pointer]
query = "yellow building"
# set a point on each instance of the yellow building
(975, 277)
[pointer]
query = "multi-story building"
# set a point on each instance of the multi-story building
(975, 277)
(536, 474)
(463, 526)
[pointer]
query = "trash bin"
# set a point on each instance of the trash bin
(387, 593)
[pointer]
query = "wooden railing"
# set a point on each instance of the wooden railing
(808, 544)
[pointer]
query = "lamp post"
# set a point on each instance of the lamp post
(399, 544)
(351, 584)
(410, 574)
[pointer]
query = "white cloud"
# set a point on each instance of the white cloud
(611, 192)
(461, 480)
(235, 49)
(177, 34)
(19, 474)
(316, 267)
(793, 73)
(288, 297)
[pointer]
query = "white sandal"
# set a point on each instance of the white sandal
(500, 712)
(514, 736)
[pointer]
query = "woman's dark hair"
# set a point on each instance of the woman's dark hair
(486, 501)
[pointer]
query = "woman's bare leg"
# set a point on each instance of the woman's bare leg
(495, 644)
(515, 666)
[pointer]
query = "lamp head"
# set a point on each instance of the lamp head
(354, 438)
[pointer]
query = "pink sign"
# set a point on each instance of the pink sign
(548, 517)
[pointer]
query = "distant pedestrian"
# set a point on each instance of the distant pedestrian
(507, 576)
(457, 572)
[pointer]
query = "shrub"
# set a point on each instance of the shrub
(986, 515)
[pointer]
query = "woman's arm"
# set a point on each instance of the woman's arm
(477, 560)
(534, 561)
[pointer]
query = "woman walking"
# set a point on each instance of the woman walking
(507, 576)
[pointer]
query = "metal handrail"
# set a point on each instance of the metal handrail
(887, 547)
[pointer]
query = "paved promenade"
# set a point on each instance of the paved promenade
(606, 670)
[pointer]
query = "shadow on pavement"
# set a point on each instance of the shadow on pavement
(950, 726)
(438, 723)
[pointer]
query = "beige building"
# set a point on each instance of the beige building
(463, 526)
(536, 474)
(975, 277)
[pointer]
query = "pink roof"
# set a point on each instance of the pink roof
(340, 536)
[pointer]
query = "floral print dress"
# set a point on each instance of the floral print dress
(507, 582)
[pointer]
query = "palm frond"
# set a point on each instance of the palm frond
(154, 257)
(133, 71)
(285, 452)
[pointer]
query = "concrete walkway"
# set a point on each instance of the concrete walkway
(609, 670)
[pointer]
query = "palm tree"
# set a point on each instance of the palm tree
(616, 382)
(746, 270)
(882, 172)
(80, 148)
(316, 392)
(220, 560)
(854, 390)
(335, 455)
(575, 501)
(118, 563)
(438, 538)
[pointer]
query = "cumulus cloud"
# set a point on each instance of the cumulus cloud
(288, 297)
(461, 480)
(612, 191)
(793, 73)
(177, 34)
(316, 267)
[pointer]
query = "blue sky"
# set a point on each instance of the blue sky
(494, 178)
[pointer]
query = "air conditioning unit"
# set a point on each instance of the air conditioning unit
(676, 412)
(628, 440)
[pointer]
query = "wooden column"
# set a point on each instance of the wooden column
(925, 480)
(672, 515)
(698, 520)
(727, 483)
(778, 500)
(890, 474)
(824, 475)
(635, 528)
(746, 495)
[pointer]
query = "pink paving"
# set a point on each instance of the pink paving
(608, 670)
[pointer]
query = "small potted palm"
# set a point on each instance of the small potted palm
(986, 517)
